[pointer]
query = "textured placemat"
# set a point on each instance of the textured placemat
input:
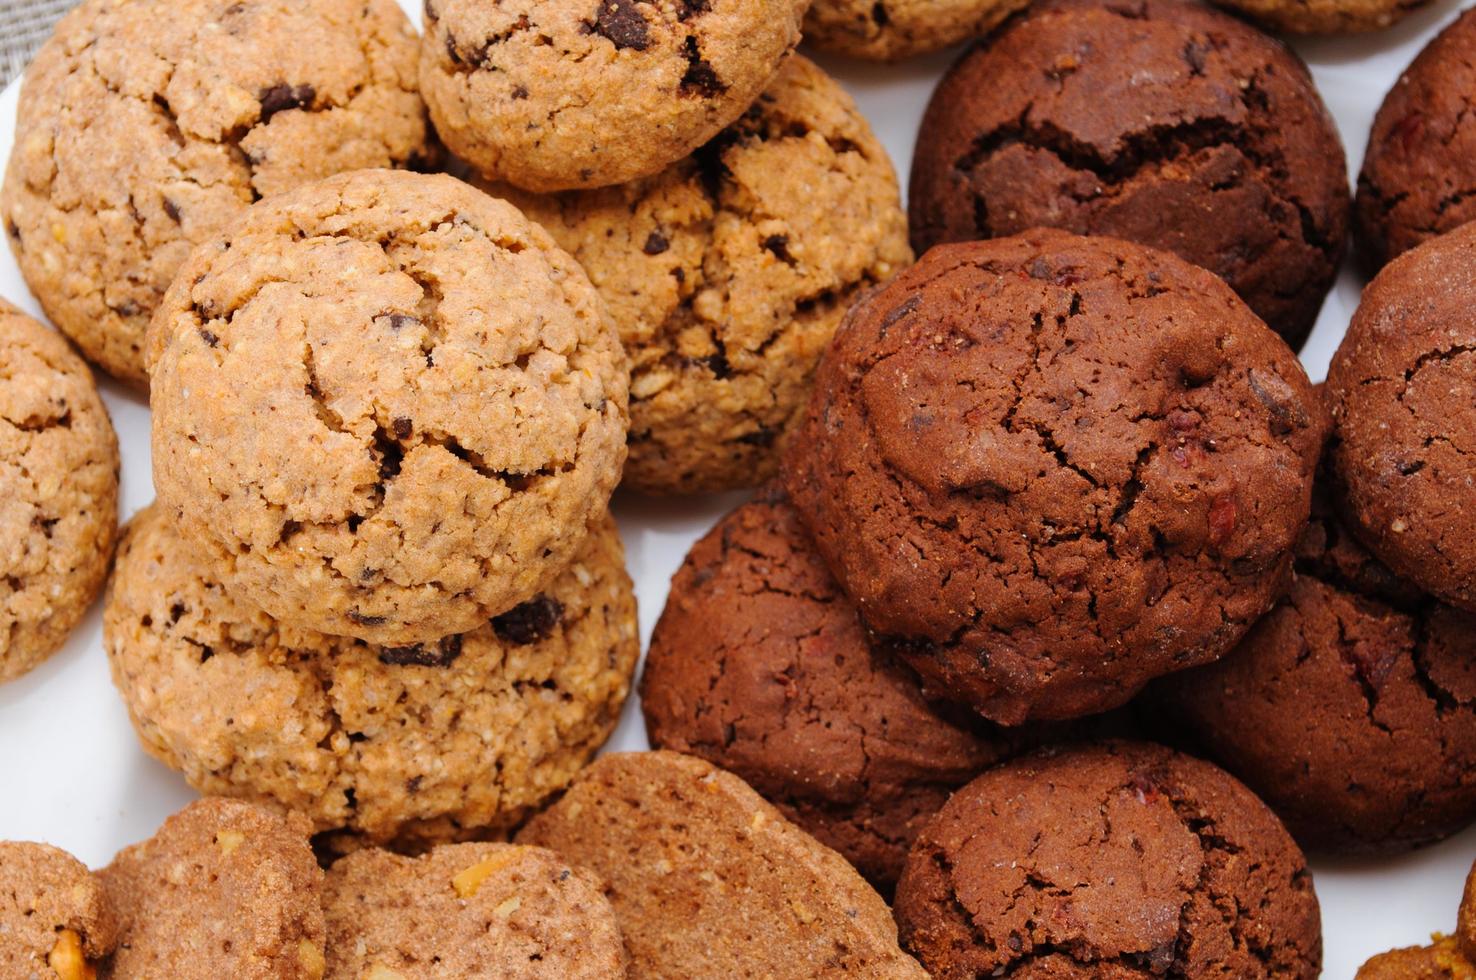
(24, 24)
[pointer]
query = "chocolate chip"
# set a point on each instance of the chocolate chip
(700, 78)
(898, 312)
(210, 337)
(622, 25)
(359, 618)
(656, 243)
(171, 209)
(718, 365)
(762, 437)
(281, 97)
(1194, 53)
(778, 245)
(520, 92)
(532, 622)
(412, 785)
(398, 321)
(402, 427)
(442, 654)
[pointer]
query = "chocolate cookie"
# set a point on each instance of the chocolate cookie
(1350, 708)
(890, 30)
(146, 127)
(556, 94)
(724, 885)
(1052, 468)
(1165, 122)
(55, 923)
(224, 889)
(58, 491)
(728, 272)
(1324, 16)
(468, 910)
(1419, 171)
(1403, 453)
(1121, 860)
(404, 744)
(435, 398)
(1448, 958)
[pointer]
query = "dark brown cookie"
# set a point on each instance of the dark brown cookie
(1419, 171)
(1448, 958)
(1052, 468)
(55, 923)
(1165, 122)
(1403, 451)
(1116, 861)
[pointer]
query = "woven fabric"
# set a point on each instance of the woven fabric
(24, 24)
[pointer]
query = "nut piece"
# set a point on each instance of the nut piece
(66, 958)
(467, 883)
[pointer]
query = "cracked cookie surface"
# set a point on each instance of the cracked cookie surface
(1116, 861)
(724, 884)
(58, 491)
(468, 910)
(727, 274)
(1051, 468)
(1164, 122)
(1324, 16)
(145, 127)
(55, 922)
(387, 405)
(1403, 453)
(552, 95)
(223, 889)
(404, 744)
(890, 30)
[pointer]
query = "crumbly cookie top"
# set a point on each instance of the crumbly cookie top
(54, 919)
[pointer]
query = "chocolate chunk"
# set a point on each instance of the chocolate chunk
(622, 24)
(700, 79)
(656, 243)
(441, 654)
(281, 97)
(402, 428)
(210, 337)
(532, 622)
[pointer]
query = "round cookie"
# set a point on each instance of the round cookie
(1164, 122)
(759, 665)
(55, 923)
(891, 30)
(1419, 171)
(146, 127)
(1119, 860)
(1051, 468)
(1350, 708)
(1324, 16)
(725, 885)
(552, 95)
(434, 397)
(1449, 958)
(58, 491)
(405, 744)
(1402, 419)
(727, 274)
(468, 910)
(224, 889)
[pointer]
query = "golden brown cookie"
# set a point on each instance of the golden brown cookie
(146, 127)
(728, 273)
(419, 743)
(386, 406)
(469, 910)
(58, 491)
(556, 94)
(709, 880)
(55, 923)
(224, 889)
(890, 30)
(1324, 16)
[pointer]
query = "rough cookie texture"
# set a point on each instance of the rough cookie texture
(387, 405)
(55, 923)
(759, 665)
(1164, 122)
(1403, 451)
(1350, 708)
(1448, 958)
(1324, 16)
(58, 491)
(224, 889)
(1123, 860)
(1419, 171)
(727, 274)
(1052, 468)
(889, 30)
(724, 885)
(404, 744)
(557, 94)
(147, 126)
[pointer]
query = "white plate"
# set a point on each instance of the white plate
(72, 773)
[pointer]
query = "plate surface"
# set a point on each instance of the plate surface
(71, 770)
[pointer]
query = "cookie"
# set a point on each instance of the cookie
(1051, 468)
(58, 492)
(1324, 16)
(224, 889)
(146, 127)
(1402, 421)
(435, 397)
(891, 30)
(1350, 708)
(759, 665)
(1164, 122)
(1448, 958)
(725, 885)
(55, 923)
(552, 95)
(1419, 170)
(728, 272)
(468, 910)
(1118, 860)
(403, 744)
